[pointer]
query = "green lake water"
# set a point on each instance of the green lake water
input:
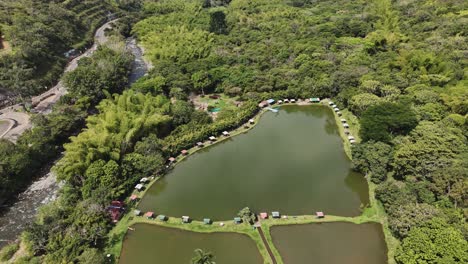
(156, 244)
(331, 243)
(293, 162)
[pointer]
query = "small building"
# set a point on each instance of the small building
(352, 141)
(184, 152)
(286, 100)
(115, 215)
(339, 113)
(350, 137)
(144, 179)
(133, 197)
(212, 138)
(172, 159)
(139, 187)
(149, 215)
(346, 131)
(336, 109)
(263, 215)
(275, 214)
(251, 121)
(162, 217)
(292, 100)
(200, 144)
(314, 100)
(207, 221)
(320, 214)
(331, 103)
(345, 125)
(185, 219)
(280, 101)
(137, 212)
(271, 101)
(225, 133)
(263, 104)
(343, 120)
(237, 220)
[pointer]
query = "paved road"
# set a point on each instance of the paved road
(50, 97)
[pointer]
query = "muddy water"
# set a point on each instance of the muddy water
(156, 244)
(331, 243)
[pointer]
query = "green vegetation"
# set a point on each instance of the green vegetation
(39, 32)
(398, 67)
(8, 251)
(202, 257)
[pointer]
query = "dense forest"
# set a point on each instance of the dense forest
(38, 33)
(399, 67)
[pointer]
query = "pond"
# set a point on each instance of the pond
(331, 243)
(156, 244)
(293, 162)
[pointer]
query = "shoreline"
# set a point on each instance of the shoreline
(373, 213)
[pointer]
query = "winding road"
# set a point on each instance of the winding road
(43, 103)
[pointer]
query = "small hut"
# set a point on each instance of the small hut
(199, 144)
(207, 221)
(314, 100)
(345, 125)
(263, 104)
(149, 215)
(212, 138)
(263, 215)
(144, 179)
(225, 133)
(271, 101)
(185, 219)
(172, 159)
(320, 214)
(336, 109)
(275, 214)
(162, 217)
(350, 137)
(339, 113)
(286, 100)
(346, 131)
(139, 187)
(133, 197)
(331, 103)
(292, 100)
(251, 121)
(343, 120)
(137, 212)
(237, 220)
(280, 101)
(352, 141)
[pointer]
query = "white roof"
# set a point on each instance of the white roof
(350, 137)
(293, 100)
(343, 120)
(212, 138)
(144, 179)
(352, 141)
(139, 186)
(251, 120)
(330, 103)
(225, 133)
(345, 125)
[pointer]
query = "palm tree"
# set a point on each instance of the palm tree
(202, 257)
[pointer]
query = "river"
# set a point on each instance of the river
(17, 215)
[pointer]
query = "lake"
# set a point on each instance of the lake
(156, 244)
(292, 161)
(331, 243)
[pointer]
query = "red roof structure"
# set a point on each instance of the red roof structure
(133, 197)
(263, 215)
(115, 215)
(320, 214)
(171, 159)
(149, 214)
(184, 152)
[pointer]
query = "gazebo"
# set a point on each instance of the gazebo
(184, 152)
(263, 215)
(139, 187)
(207, 221)
(149, 215)
(346, 131)
(271, 101)
(280, 101)
(144, 179)
(133, 197)
(200, 144)
(185, 219)
(275, 214)
(320, 214)
(331, 103)
(292, 100)
(339, 113)
(315, 100)
(286, 100)
(237, 220)
(343, 120)
(162, 217)
(352, 141)
(350, 137)
(137, 212)
(345, 125)
(251, 121)
(172, 159)
(225, 133)
(212, 138)
(336, 109)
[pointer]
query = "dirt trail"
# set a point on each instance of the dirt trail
(267, 246)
